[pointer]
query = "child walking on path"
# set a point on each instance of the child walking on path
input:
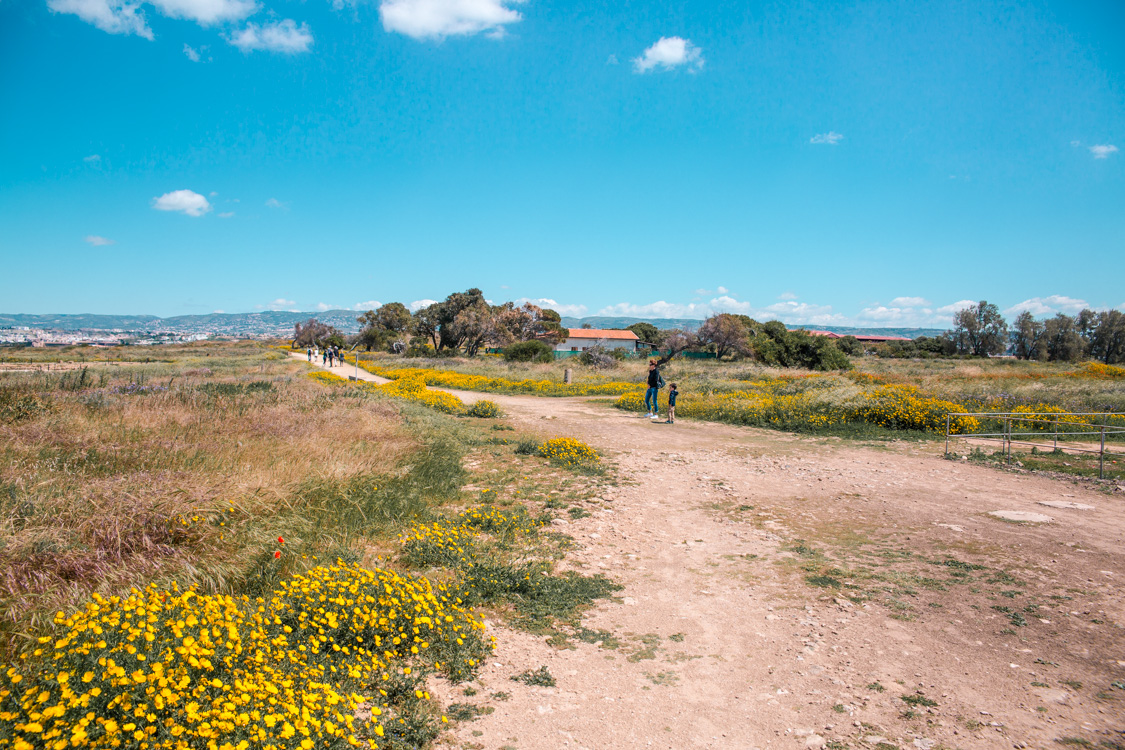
(672, 393)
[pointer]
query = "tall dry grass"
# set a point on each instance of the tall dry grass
(189, 471)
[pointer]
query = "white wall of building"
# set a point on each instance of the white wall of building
(579, 344)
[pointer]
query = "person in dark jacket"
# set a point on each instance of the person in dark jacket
(655, 383)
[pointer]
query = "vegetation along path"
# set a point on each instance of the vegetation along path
(787, 591)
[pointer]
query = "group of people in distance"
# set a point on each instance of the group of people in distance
(655, 383)
(329, 356)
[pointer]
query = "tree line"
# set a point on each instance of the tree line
(463, 322)
(466, 323)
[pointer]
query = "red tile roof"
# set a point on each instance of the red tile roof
(601, 333)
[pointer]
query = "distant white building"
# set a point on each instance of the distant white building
(581, 339)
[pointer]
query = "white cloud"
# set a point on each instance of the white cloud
(218, 312)
(226, 215)
(324, 306)
(790, 312)
(437, 19)
(206, 12)
(112, 16)
(669, 52)
(659, 309)
(802, 313)
(280, 304)
(1076, 143)
(1103, 151)
(283, 36)
(787, 296)
(1056, 303)
(92, 159)
(370, 304)
(722, 290)
(703, 292)
(97, 241)
(275, 203)
(611, 60)
(910, 302)
(574, 311)
(956, 307)
(418, 304)
(191, 53)
(185, 201)
(830, 138)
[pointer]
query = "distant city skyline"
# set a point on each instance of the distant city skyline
(879, 164)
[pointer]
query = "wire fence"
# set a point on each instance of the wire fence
(1069, 432)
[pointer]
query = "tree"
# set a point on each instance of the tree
(473, 327)
(314, 333)
(725, 334)
(385, 326)
(646, 332)
(1027, 334)
(1108, 340)
(1061, 340)
(982, 328)
(676, 341)
(426, 323)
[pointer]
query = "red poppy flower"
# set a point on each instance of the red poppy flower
(277, 554)
(280, 540)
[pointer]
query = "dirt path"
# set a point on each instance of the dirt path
(788, 592)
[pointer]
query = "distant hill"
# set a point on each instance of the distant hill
(235, 324)
(280, 323)
(691, 324)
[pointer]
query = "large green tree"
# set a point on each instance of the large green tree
(380, 328)
(981, 329)
(1108, 340)
(1027, 333)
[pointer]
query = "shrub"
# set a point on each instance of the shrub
(529, 351)
(598, 357)
(528, 446)
(484, 409)
(568, 451)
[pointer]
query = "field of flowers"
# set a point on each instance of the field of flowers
(411, 388)
(179, 669)
(768, 403)
(568, 451)
(465, 382)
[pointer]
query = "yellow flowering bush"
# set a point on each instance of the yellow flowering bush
(178, 669)
(409, 389)
(568, 451)
(461, 381)
(1099, 370)
(895, 407)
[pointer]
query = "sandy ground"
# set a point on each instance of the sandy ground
(713, 529)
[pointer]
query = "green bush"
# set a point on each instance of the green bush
(484, 409)
(529, 351)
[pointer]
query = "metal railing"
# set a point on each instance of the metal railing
(1046, 430)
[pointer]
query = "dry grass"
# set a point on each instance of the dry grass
(188, 471)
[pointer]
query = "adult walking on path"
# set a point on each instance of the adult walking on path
(655, 383)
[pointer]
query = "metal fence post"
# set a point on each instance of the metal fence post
(1056, 434)
(947, 434)
(1101, 457)
(1009, 432)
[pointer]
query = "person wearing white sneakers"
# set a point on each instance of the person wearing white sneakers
(655, 383)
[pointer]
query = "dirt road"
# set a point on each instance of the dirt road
(791, 592)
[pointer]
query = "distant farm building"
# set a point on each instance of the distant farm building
(582, 339)
(862, 337)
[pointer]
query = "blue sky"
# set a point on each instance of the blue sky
(873, 163)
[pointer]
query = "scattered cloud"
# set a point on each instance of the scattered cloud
(1103, 151)
(574, 311)
(94, 159)
(191, 53)
(668, 53)
(418, 304)
(111, 16)
(723, 290)
(910, 302)
(438, 19)
(275, 203)
(831, 138)
(956, 307)
(370, 304)
(1076, 143)
(789, 312)
(1056, 303)
(611, 60)
(184, 201)
(97, 241)
(218, 312)
(206, 12)
(280, 304)
(283, 36)
(324, 307)
(226, 215)
(787, 296)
